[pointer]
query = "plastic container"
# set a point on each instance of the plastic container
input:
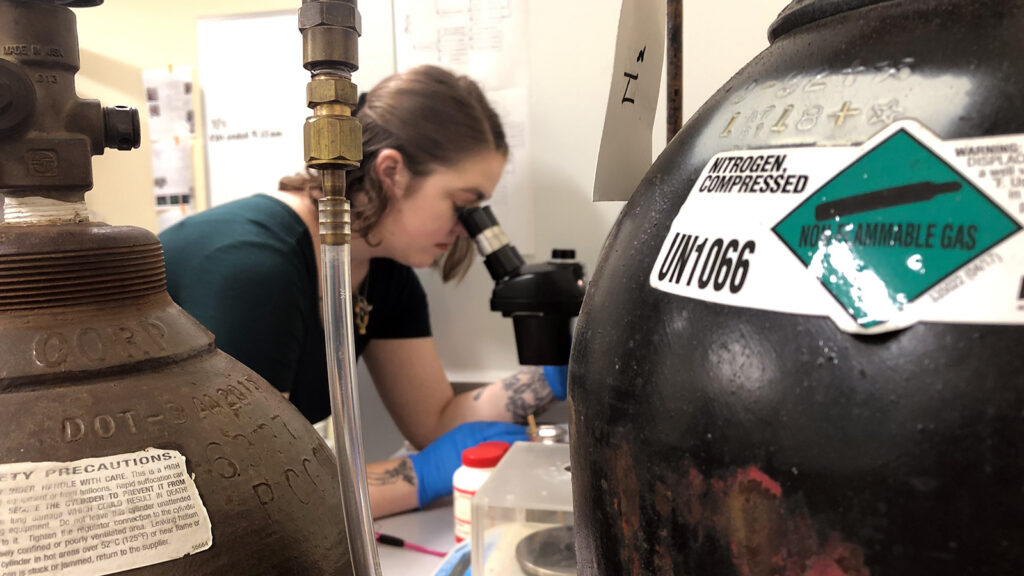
(477, 464)
(530, 491)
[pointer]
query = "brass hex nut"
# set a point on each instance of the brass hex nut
(327, 90)
(330, 13)
(333, 140)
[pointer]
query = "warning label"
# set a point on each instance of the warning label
(904, 228)
(99, 515)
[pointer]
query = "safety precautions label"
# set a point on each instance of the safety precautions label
(902, 229)
(99, 515)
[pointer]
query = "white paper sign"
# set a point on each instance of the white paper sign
(625, 153)
(99, 515)
(169, 102)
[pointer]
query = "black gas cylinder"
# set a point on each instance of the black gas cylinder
(801, 351)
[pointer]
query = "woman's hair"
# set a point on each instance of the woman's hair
(434, 119)
(305, 181)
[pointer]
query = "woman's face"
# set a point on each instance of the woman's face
(421, 223)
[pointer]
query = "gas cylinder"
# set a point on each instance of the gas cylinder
(129, 441)
(801, 351)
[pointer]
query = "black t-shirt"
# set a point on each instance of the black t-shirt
(247, 272)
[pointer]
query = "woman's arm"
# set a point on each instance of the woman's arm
(411, 381)
(392, 486)
(524, 393)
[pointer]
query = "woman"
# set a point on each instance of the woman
(248, 271)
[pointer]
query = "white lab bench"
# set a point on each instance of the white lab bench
(432, 528)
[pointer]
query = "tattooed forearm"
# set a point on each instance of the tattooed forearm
(401, 471)
(526, 393)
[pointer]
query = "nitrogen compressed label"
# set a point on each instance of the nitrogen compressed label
(904, 228)
(99, 515)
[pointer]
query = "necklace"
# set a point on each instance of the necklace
(362, 307)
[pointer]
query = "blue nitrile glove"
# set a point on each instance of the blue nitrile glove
(558, 379)
(436, 464)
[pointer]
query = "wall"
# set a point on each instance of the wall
(719, 37)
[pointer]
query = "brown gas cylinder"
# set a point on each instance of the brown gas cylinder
(129, 441)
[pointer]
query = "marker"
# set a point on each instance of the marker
(396, 541)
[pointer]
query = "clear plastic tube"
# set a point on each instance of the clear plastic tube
(336, 281)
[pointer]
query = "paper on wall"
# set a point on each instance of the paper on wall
(171, 129)
(485, 40)
(169, 102)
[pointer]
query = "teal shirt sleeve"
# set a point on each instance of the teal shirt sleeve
(246, 271)
(251, 302)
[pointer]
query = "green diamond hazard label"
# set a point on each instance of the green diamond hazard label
(891, 226)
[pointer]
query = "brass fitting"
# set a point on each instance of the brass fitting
(339, 14)
(332, 137)
(333, 142)
(331, 90)
(335, 221)
(330, 34)
(48, 135)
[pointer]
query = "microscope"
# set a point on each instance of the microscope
(541, 298)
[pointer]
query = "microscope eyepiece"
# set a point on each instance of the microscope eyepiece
(477, 219)
(500, 256)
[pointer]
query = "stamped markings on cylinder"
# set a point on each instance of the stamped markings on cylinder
(103, 426)
(33, 50)
(757, 114)
(301, 480)
(107, 425)
(238, 457)
(144, 339)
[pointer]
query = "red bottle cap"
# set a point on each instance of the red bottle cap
(485, 454)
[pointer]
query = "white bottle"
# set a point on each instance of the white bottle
(477, 464)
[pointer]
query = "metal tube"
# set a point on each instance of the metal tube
(336, 281)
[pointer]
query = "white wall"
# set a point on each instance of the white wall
(719, 37)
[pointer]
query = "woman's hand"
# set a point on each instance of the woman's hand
(436, 464)
(558, 379)
(405, 483)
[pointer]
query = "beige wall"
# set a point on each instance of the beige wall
(719, 37)
(119, 40)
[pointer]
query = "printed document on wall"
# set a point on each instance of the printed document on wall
(485, 40)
